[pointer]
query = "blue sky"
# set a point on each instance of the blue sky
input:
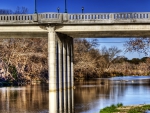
(110, 42)
(74, 6)
(90, 6)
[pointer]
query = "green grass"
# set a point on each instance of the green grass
(112, 108)
(139, 109)
(131, 109)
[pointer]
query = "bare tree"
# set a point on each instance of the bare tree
(86, 58)
(19, 10)
(5, 11)
(109, 54)
(140, 45)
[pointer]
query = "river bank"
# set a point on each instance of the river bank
(119, 108)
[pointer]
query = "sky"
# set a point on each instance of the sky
(90, 6)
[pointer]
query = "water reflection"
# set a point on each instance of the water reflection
(61, 101)
(35, 99)
(87, 97)
(29, 99)
(91, 96)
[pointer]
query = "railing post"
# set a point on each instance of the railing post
(111, 18)
(65, 17)
(149, 16)
(35, 17)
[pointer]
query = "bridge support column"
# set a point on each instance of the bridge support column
(52, 70)
(60, 63)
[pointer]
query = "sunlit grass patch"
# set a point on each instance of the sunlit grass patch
(119, 108)
(112, 108)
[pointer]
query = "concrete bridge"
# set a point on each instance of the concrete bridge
(60, 29)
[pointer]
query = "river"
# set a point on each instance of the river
(89, 96)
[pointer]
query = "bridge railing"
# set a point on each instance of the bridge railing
(82, 18)
(50, 17)
(31, 18)
(131, 15)
(89, 18)
(109, 18)
(15, 18)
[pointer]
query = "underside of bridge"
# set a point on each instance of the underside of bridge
(112, 34)
(93, 31)
(77, 31)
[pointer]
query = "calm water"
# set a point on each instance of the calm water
(89, 96)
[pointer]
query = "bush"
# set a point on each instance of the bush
(112, 108)
(12, 69)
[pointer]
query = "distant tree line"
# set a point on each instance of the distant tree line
(90, 61)
(19, 10)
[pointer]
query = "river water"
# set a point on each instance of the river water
(89, 96)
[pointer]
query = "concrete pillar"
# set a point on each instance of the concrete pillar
(72, 100)
(72, 70)
(53, 102)
(68, 64)
(69, 101)
(52, 59)
(69, 74)
(64, 76)
(60, 63)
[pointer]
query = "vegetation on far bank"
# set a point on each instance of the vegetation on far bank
(91, 61)
(25, 60)
(119, 108)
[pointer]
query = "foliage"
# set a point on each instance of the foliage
(12, 69)
(139, 109)
(111, 109)
(132, 109)
(19, 10)
(110, 54)
(86, 58)
(5, 11)
(140, 45)
(91, 62)
(25, 59)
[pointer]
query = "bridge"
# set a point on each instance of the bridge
(60, 29)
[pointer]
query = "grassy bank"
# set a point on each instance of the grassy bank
(119, 108)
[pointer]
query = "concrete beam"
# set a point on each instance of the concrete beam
(23, 29)
(23, 35)
(78, 31)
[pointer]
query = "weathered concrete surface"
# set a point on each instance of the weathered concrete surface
(77, 31)
(80, 18)
(130, 30)
(22, 35)
(23, 32)
(25, 28)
